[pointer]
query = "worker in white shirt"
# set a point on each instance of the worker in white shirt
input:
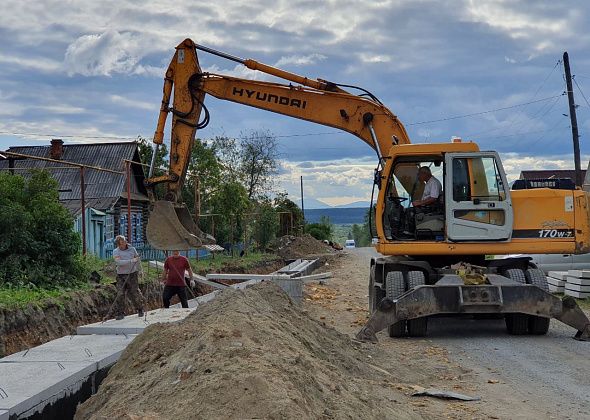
(432, 188)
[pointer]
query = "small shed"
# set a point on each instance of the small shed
(105, 192)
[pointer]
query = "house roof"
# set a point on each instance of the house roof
(102, 188)
(549, 173)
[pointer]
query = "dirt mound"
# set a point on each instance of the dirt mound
(289, 246)
(246, 354)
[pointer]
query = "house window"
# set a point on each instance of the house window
(136, 227)
(109, 228)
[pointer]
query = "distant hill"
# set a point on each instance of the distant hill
(310, 203)
(356, 205)
(337, 215)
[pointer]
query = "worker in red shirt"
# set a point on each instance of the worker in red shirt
(173, 279)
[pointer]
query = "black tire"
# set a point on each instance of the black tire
(516, 324)
(538, 325)
(372, 291)
(515, 274)
(537, 277)
(417, 327)
(395, 286)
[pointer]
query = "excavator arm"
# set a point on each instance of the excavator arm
(170, 225)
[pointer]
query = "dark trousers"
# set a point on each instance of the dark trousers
(128, 286)
(170, 291)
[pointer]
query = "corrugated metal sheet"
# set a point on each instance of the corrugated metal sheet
(102, 188)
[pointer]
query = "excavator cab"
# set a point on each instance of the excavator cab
(474, 204)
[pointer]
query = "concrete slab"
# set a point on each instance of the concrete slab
(30, 386)
(579, 295)
(104, 350)
(578, 281)
(579, 273)
(3, 415)
(132, 324)
(578, 288)
(561, 275)
(193, 303)
(556, 289)
(556, 282)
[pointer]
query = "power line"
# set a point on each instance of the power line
(474, 114)
(580, 89)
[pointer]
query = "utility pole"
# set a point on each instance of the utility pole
(574, 120)
(302, 208)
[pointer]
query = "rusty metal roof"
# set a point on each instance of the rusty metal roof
(102, 188)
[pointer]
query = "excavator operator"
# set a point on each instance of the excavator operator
(432, 188)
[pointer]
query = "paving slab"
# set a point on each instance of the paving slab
(578, 288)
(556, 289)
(578, 280)
(576, 294)
(133, 324)
(104, 350)
(579, 273)
(556, 282)
(29, 386)
(193, 303)
(560, 275)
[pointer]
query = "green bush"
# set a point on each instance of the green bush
(37, 242)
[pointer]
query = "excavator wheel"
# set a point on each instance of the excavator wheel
(538, 325)
(417, 327)
(516, 324)
(395, 286)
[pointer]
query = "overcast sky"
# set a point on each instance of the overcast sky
(93, 70)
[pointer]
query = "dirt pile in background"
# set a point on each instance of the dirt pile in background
(246, 354)
(289, 246)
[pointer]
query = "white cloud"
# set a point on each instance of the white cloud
(37, 63)
(127, 102)
(299, 60)
(104, 54)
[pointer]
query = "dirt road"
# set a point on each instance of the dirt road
(516, 377)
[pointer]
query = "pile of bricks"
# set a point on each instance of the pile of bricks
(574, 283)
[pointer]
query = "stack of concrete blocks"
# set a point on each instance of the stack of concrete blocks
(578, 284)
(557, 281)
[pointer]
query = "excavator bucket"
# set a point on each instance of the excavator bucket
(173, 228)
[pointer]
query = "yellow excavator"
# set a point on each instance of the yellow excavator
(433, 251)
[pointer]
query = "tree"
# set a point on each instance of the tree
(206, 169)
(290, 215)
(37, 242)
(322, 230)
(229, 203)
(259, 161)
(145, 154)
(265, 224)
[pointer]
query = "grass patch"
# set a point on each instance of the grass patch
(20, 297)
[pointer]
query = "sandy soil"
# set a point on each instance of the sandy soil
(517, 377)
(247, 354)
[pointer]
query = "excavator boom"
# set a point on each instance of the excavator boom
(170, 225)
